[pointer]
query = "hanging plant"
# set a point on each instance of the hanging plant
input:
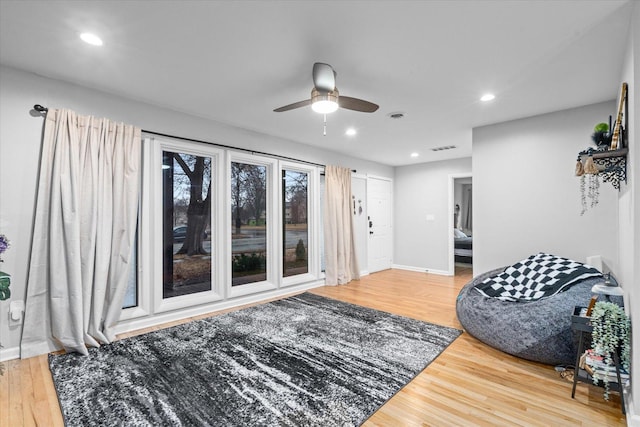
(5, 279)
(589, 184)
(594, 189)
(611, 331)
(583, 194)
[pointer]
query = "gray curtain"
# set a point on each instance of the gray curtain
(84, 231)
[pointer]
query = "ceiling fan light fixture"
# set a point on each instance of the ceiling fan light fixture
(324, 107)
(91, 39)
(324, 102)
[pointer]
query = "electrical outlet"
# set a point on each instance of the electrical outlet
(16, 309)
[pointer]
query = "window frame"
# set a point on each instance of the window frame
(143, 248)
(216, 293)
(319, 230)
(313, 249)
(151, 305)
(273, 270)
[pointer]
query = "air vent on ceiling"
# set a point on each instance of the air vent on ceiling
(397, 115)
(444, 147)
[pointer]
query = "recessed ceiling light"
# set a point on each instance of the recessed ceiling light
(414, 154)
(92, 39)
(350, 132)
(487, 97)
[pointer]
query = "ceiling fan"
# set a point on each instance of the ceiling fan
(325, 98)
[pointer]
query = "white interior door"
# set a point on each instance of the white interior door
(379, 202)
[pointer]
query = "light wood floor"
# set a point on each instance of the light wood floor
(468, 384)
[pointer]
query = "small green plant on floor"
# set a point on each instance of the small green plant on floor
(301, 252)
(254, 263)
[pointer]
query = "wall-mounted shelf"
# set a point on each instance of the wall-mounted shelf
(612, 164)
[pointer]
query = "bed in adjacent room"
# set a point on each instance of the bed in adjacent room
(463, 247)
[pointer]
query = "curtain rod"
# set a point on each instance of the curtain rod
(42, 109)
(215, 144)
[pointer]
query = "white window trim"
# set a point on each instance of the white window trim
(152, 309)
(319, 230)
(313, 246)
(273, 267)
(144, 275)
(217, 292)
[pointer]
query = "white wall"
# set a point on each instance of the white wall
(629, 213)
(20, 140)
(419, 191)
(526, 198)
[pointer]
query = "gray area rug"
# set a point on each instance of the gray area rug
(301, 361)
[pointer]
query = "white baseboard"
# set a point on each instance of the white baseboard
(421, 269)
(633, 417)
(9, 353)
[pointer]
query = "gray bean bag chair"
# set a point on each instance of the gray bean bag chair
(538, 330)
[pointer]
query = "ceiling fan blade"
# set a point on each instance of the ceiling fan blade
(293, 106)
(357, 104)
(324, 78)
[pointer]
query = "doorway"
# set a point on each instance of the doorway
(461, 223)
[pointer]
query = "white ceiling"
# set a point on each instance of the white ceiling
(234, 62)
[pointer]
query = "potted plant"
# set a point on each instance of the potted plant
(601, 136)
(611, 334)
(5, 281)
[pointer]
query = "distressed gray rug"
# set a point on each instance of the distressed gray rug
(301, 361)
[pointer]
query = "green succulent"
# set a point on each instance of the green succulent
(5, 281)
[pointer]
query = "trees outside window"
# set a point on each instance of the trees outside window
(295, 222)
(248, 223)
(186, 219)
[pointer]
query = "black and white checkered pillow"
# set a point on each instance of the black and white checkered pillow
(539, 276)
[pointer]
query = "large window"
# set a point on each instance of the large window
(221, 224)
(248, 223)
(295, 216)
(186, 237)
(321, 222)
